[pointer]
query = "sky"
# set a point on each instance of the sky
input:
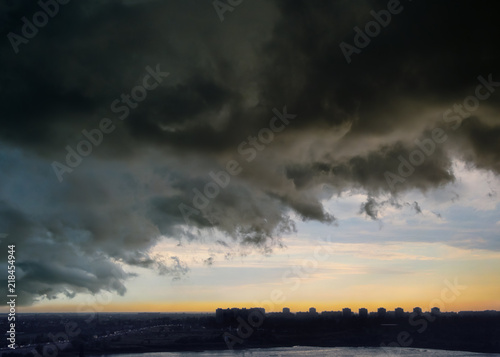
(189, 155)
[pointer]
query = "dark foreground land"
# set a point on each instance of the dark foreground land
(52, 335)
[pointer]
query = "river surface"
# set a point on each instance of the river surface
(316, 352)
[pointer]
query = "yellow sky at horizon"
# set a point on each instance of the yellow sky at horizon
(295, 306)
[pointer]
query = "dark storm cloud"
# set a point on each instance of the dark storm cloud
(353, 122)
(370, 208)
(417, 208)
(483, 144)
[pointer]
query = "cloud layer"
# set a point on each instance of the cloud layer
(353, 123)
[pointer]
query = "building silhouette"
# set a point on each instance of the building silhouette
(346, 313)
(363, 313)
(435, 311)
(381, 312)
(399, 312)
(223, 316)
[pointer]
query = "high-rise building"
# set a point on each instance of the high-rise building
(399, 312)
(381, 312)
(363, 313)
(219, 315)
(228, 315)
(346, 312)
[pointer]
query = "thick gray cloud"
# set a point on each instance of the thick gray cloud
(353, 123)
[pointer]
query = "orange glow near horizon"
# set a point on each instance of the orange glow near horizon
(210, 307)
